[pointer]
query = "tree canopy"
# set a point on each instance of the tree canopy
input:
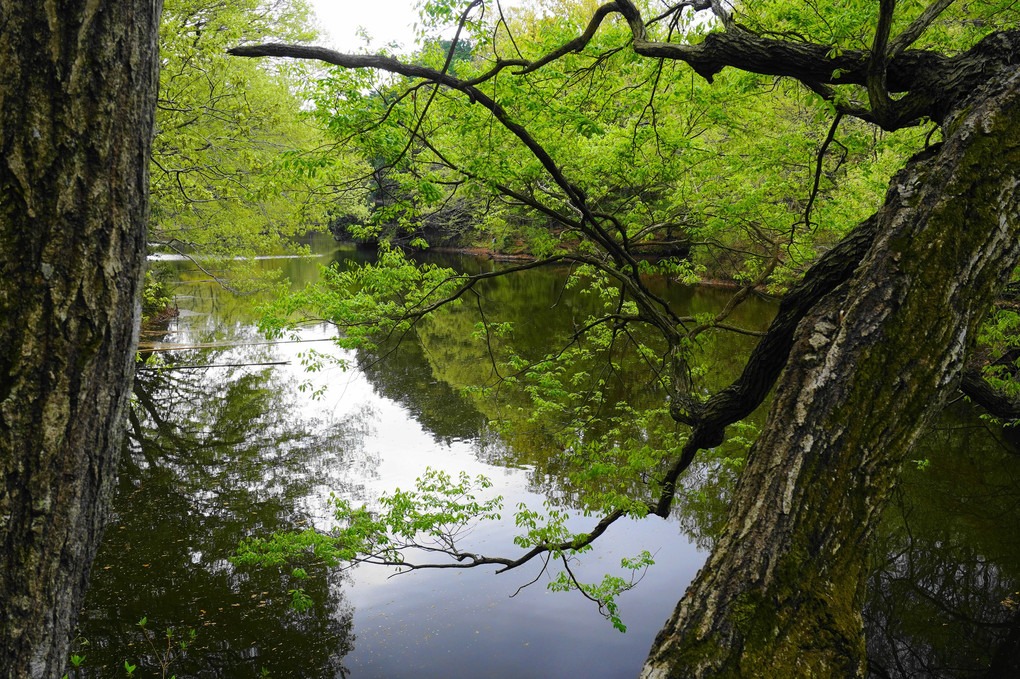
(237, 166)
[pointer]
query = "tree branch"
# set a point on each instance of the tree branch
(979, 390)
(472, 560)
(590, 225)
(881, 105)
(916, 28)
(575, 45)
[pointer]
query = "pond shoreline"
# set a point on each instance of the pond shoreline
(718, 283)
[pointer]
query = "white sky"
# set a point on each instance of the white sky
(385, 20)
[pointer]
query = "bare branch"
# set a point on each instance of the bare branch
(696, 5)
(739, 297)
(818, 170)
(917, 27)
(878, 95)
(578, 43)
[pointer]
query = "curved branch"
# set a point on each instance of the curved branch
(933, 81)
(917, 27)
(767, 360)
(738, 298)
(696, 5)
(746, 50)
(979, 390)
(769, 357)
(818, 171)
(881, 105)
(472, 560)
(496, 69)
(589, 224)
(578, 43)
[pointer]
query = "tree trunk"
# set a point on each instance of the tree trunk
(77, 93)
(781, 593)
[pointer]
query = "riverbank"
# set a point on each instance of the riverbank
(718, 283)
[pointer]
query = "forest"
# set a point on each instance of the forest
(728, 269)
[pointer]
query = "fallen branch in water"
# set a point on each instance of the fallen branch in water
(211, 365)
(147, 348)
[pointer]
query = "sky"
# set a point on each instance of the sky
(385, 20)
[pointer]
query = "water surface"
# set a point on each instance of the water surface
(228, 441)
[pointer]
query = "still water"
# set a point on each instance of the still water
(234, 438)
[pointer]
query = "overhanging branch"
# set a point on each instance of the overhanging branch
(978, 389)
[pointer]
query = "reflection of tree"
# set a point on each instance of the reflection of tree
(429, 373)
(213, 456)
(403, 374)
(943, 598)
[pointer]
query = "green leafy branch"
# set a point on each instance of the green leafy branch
(433, 519)
(604, 593)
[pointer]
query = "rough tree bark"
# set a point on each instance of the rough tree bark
(871, 363)
(77, 93)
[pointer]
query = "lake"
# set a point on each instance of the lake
(233, 438)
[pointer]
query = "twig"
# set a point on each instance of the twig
(176, 347)
(211, 365)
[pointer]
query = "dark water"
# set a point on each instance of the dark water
(218, 453)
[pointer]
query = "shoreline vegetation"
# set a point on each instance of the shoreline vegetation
(522, 256)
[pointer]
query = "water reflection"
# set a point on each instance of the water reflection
(431, 376)
(215, 454)
(944, 599)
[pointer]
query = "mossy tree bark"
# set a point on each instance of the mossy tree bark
(77, 93)
(871, 363)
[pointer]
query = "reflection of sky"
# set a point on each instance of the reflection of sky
(439, 623)
(426, 624)
(447, 623)
(376, 430)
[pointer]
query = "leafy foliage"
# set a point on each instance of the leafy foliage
(433, 519)
(367, 302)
(654, 146)
(1000, 339)
(237, 165)
(156, 297)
